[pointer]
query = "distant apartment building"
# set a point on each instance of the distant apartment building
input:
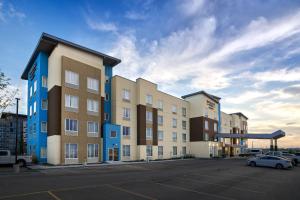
(8, 125)
(78, 112)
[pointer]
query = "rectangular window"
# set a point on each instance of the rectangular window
(149, 150)
(34, 86)
(106, 97)
(174, 137)
(93, 150)
(206, 125)
(184, 125)
(126, 131)
(174, 123)
(92, 105)
(71, 78)
(71, 125)
(113, 134)
(106, 116)
(30, 91)
(148, 116)
(183, 151)
(34, 107)
(148, 133)
(215, 127)
(184, 112)
(174, 151)
(44, 81)
(44, 127)
(149, 99)
(93, 128)
(183, 137)
(126, 113)
(71, 151)
(44, 104)
(126, 150)
(160, 105)
(160, 120)
(160, 150)
(92, 84)
(174, 109)
(126, 95)
(71, 101)
(30, 110)
(160, 135)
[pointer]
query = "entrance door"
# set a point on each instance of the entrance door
(116, 154)
(110, 154)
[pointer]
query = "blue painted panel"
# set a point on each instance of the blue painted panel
(107, 103)
(109, 142)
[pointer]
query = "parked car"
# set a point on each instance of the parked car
(251, 152)
(292, 157)
(7, 158)
(270, 161)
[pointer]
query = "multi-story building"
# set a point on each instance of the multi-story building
(79, 112)
(8, 125)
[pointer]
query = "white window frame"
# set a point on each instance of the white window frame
(71, 78)
(92, 105)
(149, 133)
(184, 111)
(160, 104)
(184, 137)
(71, 101)
(149, 99)
(174, 123)
(149, 116)
(95, 151)
(160, 135)
(126, 150)
(126, 113)
(149, 151)
(74, 156)
(46, 128)
(126, 94)
(174, 152)
(92, 84)
(184, 124)
(183, 152)
(174, 136)
(44, 82)
(95, 132)
(34, 107)
(71, 131)
(160, 120)
(34, 86)
(30, 110)
(174, 109)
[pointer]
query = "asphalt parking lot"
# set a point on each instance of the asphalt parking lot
(181, 179)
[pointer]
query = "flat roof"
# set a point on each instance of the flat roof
(240, 114)
(48, 42)
(212, 97)
(275, 135)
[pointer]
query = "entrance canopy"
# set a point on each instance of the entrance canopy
(275, 135)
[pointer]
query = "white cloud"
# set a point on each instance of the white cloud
(191, 7)
(2, 18)
(101, 26)
(134, 15)
(282, 75)
(12, 12)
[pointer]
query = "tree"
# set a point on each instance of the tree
(7, 92)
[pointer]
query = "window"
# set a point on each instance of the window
(174, 136)
(183, 137)
(71, 78)
(71, 151)
(174, 123)
(184, 112)
(71, 101)
(160, 151)
(184, 125)
(206, 125)
(44, 104)
(43, 126)
(106, 79)
(160, 135)
(183, 151)
(93, 128)
(43, 152)
(126, 113)
(149, 150)
(106, 97)
(71, 125)
(126, 95)
(92, 105)
(206, 138)
(148, 116)
(160, 120)
(160, 105)
(174, 151)
(174, 109)
(44, 81)
(34, 107)
(206, 112)
(34, 86)
(92, 84)
(149, 99)
(148, 133)
(126, 131)
(30, 110)
(215, 127)
(113, 134)
(30, 91)
(93, 150)
(106, 116)
(126, 150)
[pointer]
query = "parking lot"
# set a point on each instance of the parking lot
(182, 179)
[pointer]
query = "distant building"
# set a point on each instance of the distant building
(8, 130)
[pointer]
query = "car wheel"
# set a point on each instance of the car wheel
(22, 163)
(279, 166)
(252, 164)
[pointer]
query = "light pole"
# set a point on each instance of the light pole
(17, 124)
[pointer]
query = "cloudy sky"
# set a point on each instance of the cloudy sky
(247, 52)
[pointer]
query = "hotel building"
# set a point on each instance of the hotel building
(78, 112)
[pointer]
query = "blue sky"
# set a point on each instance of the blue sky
(246, 52)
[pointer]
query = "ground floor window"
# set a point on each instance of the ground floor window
(160, 150)
(183, 151)
(71, 151)
(93, 150)
(149, 150)
(126, 150)
(174, 151)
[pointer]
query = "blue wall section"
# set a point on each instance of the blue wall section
(107, 103)
(37, 139)
(109, 142)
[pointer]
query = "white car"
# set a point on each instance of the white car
(292, 157)
(270, 161)
(7, 158)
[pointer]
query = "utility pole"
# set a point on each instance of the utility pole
(17, 121)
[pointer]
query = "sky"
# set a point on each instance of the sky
(246, 52)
